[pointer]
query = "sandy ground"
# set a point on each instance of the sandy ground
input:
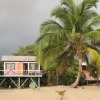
(49, 93)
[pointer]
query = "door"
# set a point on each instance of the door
(25, 68)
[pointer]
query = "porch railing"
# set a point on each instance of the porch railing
(21, 72)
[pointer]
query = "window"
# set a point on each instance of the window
(33, 66)
(10, 66)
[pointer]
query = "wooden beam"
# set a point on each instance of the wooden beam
(2, 81)
(14, 82)
(24, 82)
(34, 82)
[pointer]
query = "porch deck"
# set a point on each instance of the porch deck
(21, 73)
(19, 78)
(90, 78)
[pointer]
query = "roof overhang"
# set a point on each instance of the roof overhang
(18, 58)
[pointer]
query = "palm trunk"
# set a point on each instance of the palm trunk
(75, 84)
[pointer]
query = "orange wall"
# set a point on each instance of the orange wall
(19, 68)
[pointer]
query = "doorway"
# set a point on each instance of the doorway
(25, 68)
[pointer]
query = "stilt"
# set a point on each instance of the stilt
(87, 82)
(19, 83)
(38, 81)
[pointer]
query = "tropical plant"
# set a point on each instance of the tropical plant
(73, 34)
(1, 67)
(54, 71)
(61, 93)
(25, 51)
(93, 71)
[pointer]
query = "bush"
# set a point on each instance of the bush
(72, 75)
(67, 78)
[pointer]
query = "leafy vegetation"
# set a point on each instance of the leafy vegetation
(73, 34)
(94, 71)
(1, 67)
(25, 51)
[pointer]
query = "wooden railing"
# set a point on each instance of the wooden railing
(21, 72)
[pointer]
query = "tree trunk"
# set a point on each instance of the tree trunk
(48, 80)
(57, 79)
(74, 85)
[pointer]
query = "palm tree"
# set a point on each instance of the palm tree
(73, 34)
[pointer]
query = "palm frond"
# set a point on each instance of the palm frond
(50, 26)
(94, 37)
(64, 16)
(94, 22)
(50, 53)
(92, 47)
(52, 39)
(69, 4)
(87, 4)
(86, 18)
(94, 56)
(82, 18)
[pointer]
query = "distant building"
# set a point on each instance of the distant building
(87, 74)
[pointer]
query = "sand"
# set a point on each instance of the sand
(49, 93)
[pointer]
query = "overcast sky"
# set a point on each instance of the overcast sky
(20, 21)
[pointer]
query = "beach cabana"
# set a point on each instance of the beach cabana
(25, 68)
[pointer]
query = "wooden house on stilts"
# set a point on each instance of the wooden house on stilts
(20, 71)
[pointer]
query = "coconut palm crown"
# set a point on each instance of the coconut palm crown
(74, 32)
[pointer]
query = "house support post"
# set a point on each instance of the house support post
(19, 83)
(38, 81)
(87, 82)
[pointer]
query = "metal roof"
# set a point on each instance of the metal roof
(18, 58)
